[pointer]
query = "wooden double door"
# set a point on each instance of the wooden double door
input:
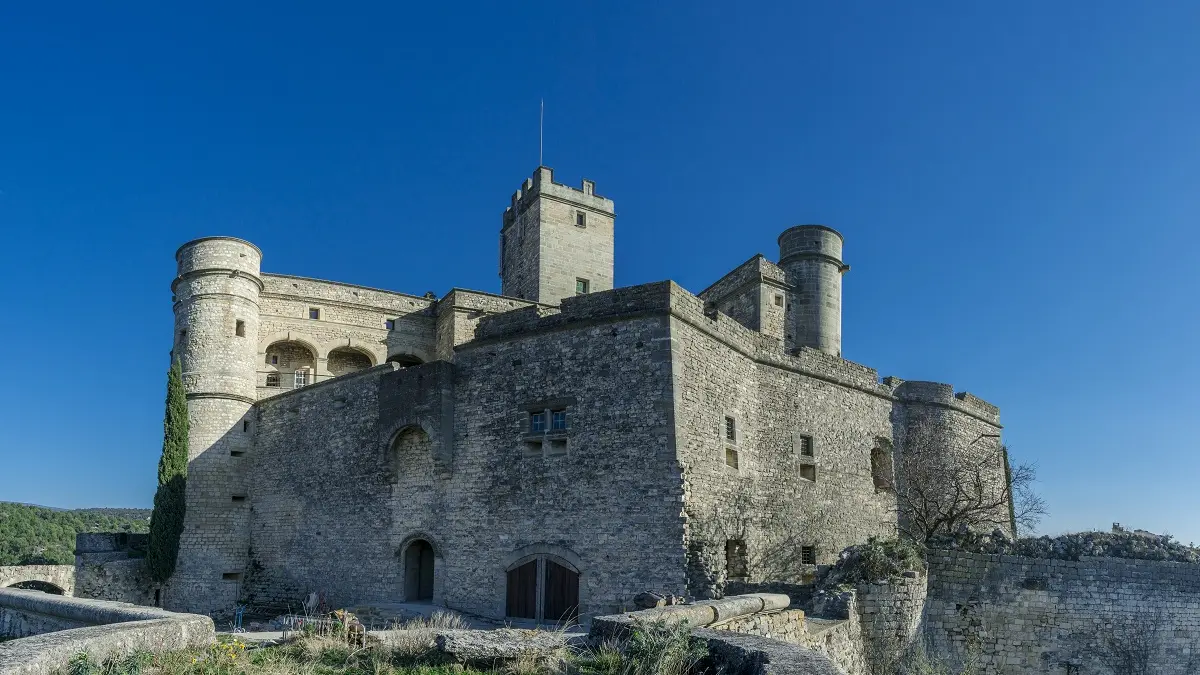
(544, 590)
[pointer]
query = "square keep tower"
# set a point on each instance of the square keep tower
(556, 241)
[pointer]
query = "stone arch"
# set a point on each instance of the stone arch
(287, 362)
(290, 336)
(346, 359)
(542, 582)
(38, 585)
(405, 360)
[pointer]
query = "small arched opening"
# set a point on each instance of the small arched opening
(544, 588)
(418, 571)
(409, 454)
(345, 360)
(36, 585)
(288, 364)
(405, 360)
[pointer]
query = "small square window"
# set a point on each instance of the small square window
(731, 458)
(581, 286)
(580, 219)
(730, 429)
(806, 446)
(314, 313)
(808, 472)
(389, 324)
(537, 422)
(239, 328)
(558, 420)
(778, 300)
(272, 379)
(808, 555)
(274, 359)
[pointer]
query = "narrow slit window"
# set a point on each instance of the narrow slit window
(245, 425)
(580, 219)
(730, 429)
(274, 359)
(239, 328)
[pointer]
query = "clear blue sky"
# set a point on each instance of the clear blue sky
(1017, 185)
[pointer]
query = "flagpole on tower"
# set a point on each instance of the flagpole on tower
(541, 119)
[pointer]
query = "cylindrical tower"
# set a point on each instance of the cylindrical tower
(216, 340)
(811, 257)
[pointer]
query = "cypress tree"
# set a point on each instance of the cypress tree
(1012, 508)
(166, 522)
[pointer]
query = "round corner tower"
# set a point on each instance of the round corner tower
(216, 294)
(811, 257)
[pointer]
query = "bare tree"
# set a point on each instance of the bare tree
(941, 492)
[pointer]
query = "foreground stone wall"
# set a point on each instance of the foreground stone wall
(52, 629)
(1032, 615)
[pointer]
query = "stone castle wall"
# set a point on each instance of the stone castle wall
(1032, 615)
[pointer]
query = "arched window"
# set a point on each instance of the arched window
(410, 451)
(544, 588)
(287, 364)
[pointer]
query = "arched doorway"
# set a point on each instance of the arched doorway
(35, 585)
(544, 588)
(418, 571)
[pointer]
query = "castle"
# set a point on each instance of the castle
(545, 453)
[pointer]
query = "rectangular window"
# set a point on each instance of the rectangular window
(806, 446)
(731, 458)
(778, 300)
(236, 453)
(301, 378)
(580, 219)
(808, 555)
(730, 429)
(274, 359)
(239, 328)
(245, 425)
(736, 563)
(390, 324)
(558, 420)
(808, 472)
(581, 286)
(231, 576)
(537, 422)
(272, 379)
(314, 313)
(238, 498)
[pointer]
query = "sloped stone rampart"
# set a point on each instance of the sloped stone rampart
(51, 629)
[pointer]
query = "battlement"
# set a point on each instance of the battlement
(542, 184)
(939, 393)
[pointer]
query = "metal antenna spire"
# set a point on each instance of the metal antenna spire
(541, 119)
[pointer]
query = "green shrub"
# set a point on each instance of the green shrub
(651, 649)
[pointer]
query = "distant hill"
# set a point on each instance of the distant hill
(39, 535)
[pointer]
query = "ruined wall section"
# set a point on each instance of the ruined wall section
(349, 318)
(1032, 615)
(776, 500)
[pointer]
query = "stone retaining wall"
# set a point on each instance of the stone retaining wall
(51, 629)
(1033, 615)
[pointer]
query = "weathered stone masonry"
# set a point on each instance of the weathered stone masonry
(578, 444)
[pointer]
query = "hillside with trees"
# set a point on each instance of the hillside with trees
(36, 535)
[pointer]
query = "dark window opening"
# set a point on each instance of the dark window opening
(231, 576)
(558, 420)
(314, 313)
(157, 597)
(779, 301)
(806, 446)
(272, 379)
(808, 472)
(390, 324)
(731, 457)
(580, 219)
(274, 359)
(730, 429)
(182, 335)
(245, 425)
(808, 555)
(239, 328)
(236, 453)
(881, 467)
(239, 498)
(736, 564)
(537, 422)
